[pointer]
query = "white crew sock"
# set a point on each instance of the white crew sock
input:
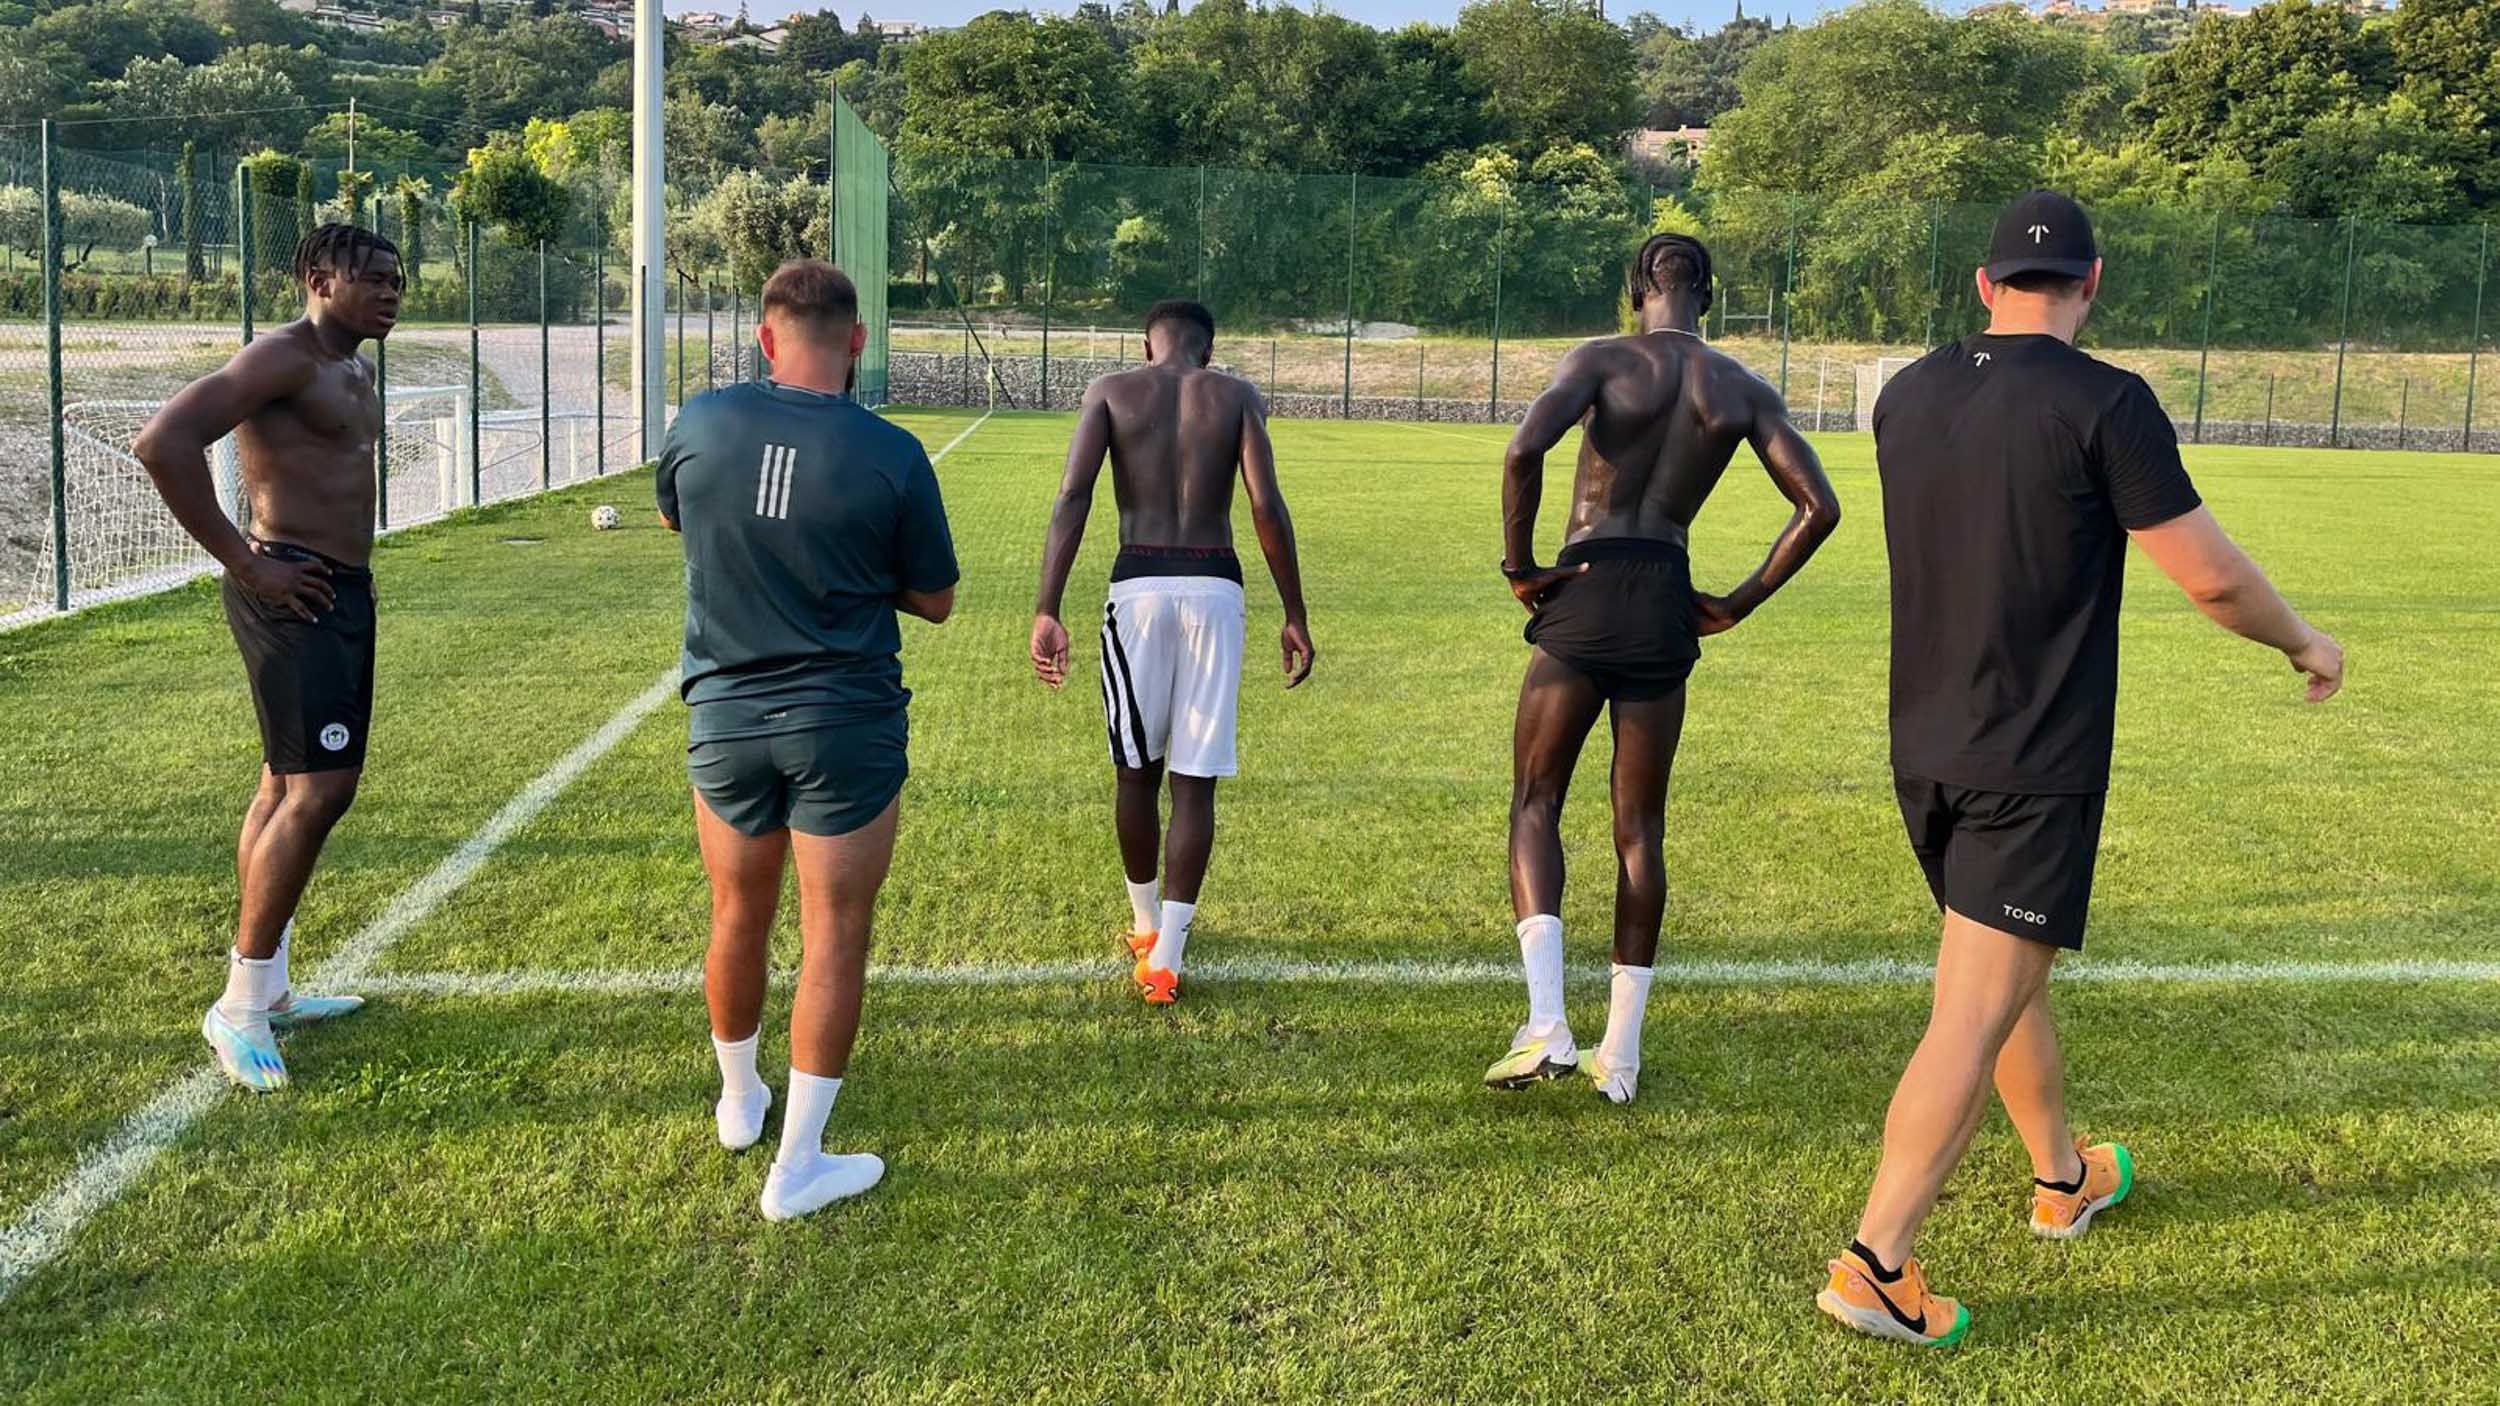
(738, 1079)
(803, 1122)
(1145, 905)
(1172, 936)
(1541, 956)
(249, 988)
(1627, 1003)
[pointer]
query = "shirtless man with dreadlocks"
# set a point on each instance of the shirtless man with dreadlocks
(1616, 624)
(305, 413)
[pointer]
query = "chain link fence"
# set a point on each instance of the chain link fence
(126, 274)
(1367, 297)
(124, 277)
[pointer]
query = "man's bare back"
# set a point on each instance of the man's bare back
(1668, 415)
(1173, 628)
(1662, 415)
(1177, 434)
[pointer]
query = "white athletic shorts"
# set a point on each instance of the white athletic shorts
(1171, 672)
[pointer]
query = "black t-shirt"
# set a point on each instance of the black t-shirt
(2013, 469)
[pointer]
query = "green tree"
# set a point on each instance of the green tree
(818, 43)
(1275, 88)
(223, 105)
(412, 195)
(244, 22)
(2392, 162)
(1689, 81)
(2245, 87)
(2454, 45)
(502, 189)
(501, 78)
(744, 80)
(1008, 84)
(1852, 133)
(86, 221)
(1423, 104)
(755, 224)
(270, 179)
(100, 40)
(377, 144)
(705, 140)
(1554, 72)
(32, 87)
(796, 143)
(876, 91)
(1894, 98)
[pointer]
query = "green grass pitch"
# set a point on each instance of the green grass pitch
(1282, 1190)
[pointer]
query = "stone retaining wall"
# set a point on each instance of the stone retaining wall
(933, 378)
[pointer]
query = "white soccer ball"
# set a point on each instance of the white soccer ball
(605, 517)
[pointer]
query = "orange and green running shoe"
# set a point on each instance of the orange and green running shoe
(1899, 1308)
(2062, 1213)
(1139, 944)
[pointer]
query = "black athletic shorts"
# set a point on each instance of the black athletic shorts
(1626, 622)
(2019, 863)
(825, 780)
(312, 680)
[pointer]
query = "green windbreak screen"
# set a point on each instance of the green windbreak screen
(859, 236)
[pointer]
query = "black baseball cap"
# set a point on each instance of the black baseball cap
(2043, 232)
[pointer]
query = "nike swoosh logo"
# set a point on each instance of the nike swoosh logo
(1916, 1325)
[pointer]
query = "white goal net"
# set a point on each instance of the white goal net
(1873, 376)
(122, 542)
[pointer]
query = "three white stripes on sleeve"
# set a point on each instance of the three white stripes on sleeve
(772, 486)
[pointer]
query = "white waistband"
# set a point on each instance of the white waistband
(1146, 587)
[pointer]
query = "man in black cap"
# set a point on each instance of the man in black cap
(2015, 469)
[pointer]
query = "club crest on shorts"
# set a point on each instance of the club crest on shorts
(334, 737)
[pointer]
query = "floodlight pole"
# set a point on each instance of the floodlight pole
(650, 164)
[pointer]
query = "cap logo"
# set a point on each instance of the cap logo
(2037, 231)
(1979, 358)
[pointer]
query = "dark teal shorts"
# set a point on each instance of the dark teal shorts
(826, 780)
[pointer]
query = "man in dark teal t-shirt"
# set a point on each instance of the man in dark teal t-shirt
(808, 522)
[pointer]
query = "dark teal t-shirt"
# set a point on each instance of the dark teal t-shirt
(803, 515)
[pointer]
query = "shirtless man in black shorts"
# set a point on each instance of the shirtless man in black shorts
(305, 413)
(1616, 623)
(1172, 633)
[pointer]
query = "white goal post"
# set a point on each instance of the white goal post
(1873, 376)
(122, 541)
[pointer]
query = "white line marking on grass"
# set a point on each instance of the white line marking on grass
(1732, 972)
(46, 1229)
(39, 1236)
(967, 434)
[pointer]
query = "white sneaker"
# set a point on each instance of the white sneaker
(1615, 1083)
(790, 1194)
(247, 1052)
(741, 1121)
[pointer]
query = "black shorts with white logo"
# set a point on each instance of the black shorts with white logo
(2018, 863)
(312, 680)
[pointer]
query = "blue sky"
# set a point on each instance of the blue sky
(1386, 13)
